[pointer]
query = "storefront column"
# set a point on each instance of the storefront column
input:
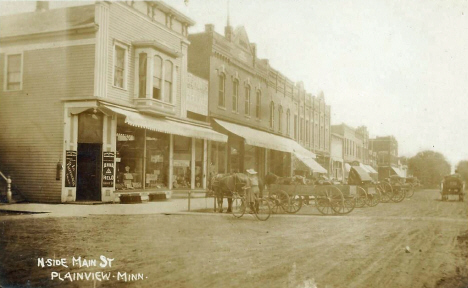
(192, 166)
(205, 161)
(267, 169)
(171, 160)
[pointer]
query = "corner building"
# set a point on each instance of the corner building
(94, 103)
(273, 124)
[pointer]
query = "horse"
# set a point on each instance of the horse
(224, 185)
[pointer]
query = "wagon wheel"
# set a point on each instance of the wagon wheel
(373, 198)
(279, 200)
(399, 193)
(410, 191)
(295, 204)
(263, 209)
(361, 197)
(349, 203)
(386, 191)
(238, 206)
(329, 200)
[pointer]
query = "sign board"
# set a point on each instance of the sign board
(108, 169)
(197, 95)
(70, 168)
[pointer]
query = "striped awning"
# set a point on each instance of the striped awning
(311, 163)
(164, 125)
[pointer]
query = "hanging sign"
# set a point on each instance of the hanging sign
(70, 168)
(108, 169)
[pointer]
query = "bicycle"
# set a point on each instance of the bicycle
(261, 209)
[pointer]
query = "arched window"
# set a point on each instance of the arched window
(258, 103)
(222, 86)
(280, 116)
(157, 76)
(272, 114)
(288, 122)
(235, 95)
(168, 81)
(143, 59)
(247, 100)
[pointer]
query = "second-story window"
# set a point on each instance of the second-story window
(295, 127)
(235, 95)
(157, 76)
(142, 60)
(120, 64)
(247, 101)
(14, 73)
(222, 86)
(272, 114)
(280, 117)
(258, 104)
(288, 122)
(168, 81)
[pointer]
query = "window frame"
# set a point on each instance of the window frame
(222, 75)
(247, 100)
(235, 95)
(5, 75)
(125, 66)
(272, 115)
(258, 104)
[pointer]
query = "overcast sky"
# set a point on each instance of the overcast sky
(398, 67)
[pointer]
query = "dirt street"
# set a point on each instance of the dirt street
(421, 242)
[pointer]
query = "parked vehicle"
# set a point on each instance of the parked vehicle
(452, 185)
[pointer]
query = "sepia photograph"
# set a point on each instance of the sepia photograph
(234, 143)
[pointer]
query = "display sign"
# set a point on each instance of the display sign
(108, 169)
(197, 95)
(70, 168)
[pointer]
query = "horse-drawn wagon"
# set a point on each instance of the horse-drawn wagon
(291, 196)
(367, 193)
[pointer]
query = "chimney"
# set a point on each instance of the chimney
(42, 6)
(209, 28)
(228, 32)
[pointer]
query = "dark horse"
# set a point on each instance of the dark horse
(224, 184)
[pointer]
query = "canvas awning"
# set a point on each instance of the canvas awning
(311, 163)
(168, 126)
(372, 170)
(398, 172)
(264, 139)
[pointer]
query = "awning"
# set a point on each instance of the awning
(364, 167)
(347, 167)
(372, 170)
(398, 172)
(165, 125)
(311, 163)
(267, 140)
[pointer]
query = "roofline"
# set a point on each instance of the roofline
(169, 9)
(87, 28)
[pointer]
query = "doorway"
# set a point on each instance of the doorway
(88, 186)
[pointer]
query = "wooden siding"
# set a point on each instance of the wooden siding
(31, 141)
(125, 27)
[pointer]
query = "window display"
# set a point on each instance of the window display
(157, 160)
(181, 178)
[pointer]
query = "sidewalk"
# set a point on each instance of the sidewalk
(162, 207)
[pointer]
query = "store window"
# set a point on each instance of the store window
(235, 155)
(251, 157)
(218, 159)
(14, 72)
(130, 158)
(182, 173)
(157, 160)
(199, 163)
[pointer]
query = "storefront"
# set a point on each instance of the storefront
(115, 150)
(265, 152)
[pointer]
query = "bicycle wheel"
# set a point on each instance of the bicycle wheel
(263, 210)
(295, 204)
(361, 197)
(238, 206)
(373, 196)
(399, 193)
(386, 192)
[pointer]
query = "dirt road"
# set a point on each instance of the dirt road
(421, 242)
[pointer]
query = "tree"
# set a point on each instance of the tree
(462, 168)
(429, 166)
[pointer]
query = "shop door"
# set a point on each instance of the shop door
(88, 172)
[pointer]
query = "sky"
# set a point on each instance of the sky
(398, 67)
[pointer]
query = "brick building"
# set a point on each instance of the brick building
(273, 124)
(94, 103)
(386, 148)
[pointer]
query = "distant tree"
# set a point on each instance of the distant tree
(462, 168)
(429, 166)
